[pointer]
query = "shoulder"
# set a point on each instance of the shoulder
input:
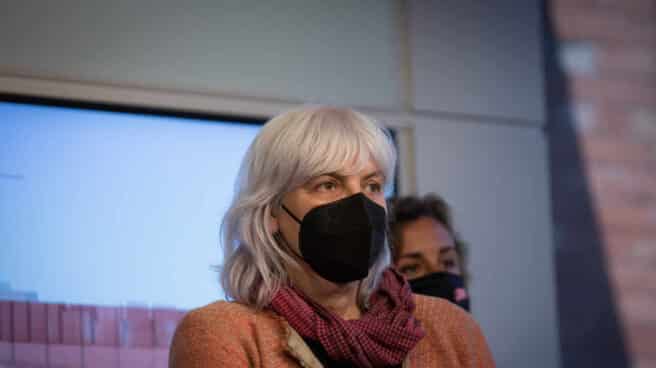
(454, 330)
(440, 312)
(219, 332)
(220, 313)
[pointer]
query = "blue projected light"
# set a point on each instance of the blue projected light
(111, 208)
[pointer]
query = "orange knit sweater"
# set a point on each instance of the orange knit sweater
(230, 335)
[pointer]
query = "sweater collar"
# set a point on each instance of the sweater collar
(297, 348)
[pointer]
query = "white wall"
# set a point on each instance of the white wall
(466, 88)
(478, 81)
(495, 177)
(330, 51)
(478, 58)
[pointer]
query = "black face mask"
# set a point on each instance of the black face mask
(442, 285)
(341, 240)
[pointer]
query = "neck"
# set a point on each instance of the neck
(340, 299)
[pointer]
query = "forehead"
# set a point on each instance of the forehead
(425, 235)
(359, 167)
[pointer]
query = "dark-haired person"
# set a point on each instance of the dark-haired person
(426, 249)
(307, 262)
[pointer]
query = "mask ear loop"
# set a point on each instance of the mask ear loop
(281, 239)
(290, 213)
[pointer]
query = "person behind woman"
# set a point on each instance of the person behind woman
(306, 262)
(426, 249)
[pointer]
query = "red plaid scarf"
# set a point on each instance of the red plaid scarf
(383, 336)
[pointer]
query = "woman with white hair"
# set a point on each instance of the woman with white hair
(306, 262)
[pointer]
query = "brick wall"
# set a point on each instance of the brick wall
(38, 335)
(608, 52)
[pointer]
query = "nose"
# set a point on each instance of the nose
(435, 266)
(352, 188)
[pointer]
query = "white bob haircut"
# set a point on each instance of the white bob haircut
(292, 148)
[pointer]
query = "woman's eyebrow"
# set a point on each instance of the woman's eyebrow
(374, 174)
(333, 175)
(446, 249)
(413, 255)
(337, 175)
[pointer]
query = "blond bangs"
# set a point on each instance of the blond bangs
(332, 140)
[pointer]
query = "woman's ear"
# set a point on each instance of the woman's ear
(273, 225)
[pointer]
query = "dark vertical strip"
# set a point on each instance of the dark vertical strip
(38, 323)
(153, 328)
(118, 321)
(82, 324)
(590, 332)
(393, 135)
(48, 342)
(11, 333)
(5, 321)
(60, 327)
(28, 315)
(20, 320)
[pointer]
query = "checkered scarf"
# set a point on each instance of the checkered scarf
(382, 337)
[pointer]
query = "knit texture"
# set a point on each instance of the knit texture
(381, 337)
(232, 335)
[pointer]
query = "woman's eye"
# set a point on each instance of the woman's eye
(409, 270)
(326, 186)
(374, 187)
(449, 264)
